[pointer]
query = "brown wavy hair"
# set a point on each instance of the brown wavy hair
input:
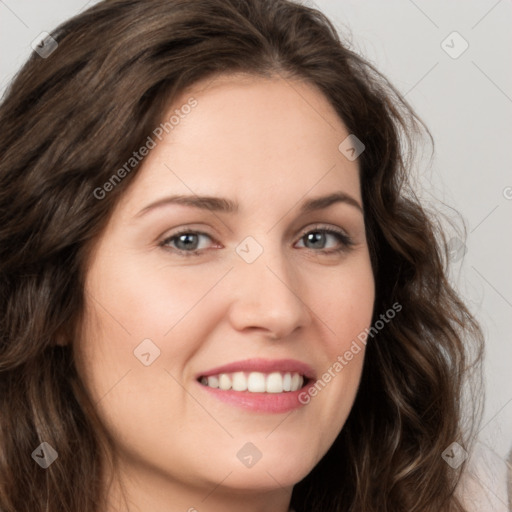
(71, 119)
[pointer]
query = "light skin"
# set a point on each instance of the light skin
(269, 145)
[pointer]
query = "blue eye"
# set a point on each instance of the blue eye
(318, 237)
(188, 243)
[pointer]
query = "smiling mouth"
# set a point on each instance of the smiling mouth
(256, 382)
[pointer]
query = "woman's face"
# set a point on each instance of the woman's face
(176, 290)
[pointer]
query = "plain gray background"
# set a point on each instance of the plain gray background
(465, 100)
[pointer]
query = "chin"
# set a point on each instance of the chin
(240, 482)
(266, 475)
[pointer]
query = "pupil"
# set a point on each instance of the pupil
(316, 237)
(186, 240)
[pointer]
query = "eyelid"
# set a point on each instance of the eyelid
(168, 238)
(329, 229)
(346, 243)
(346, 240)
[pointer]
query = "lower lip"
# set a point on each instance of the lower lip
(260, 402)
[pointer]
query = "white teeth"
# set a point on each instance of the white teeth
(255, 382)
(224, 382)
(287, 382)
(213, 381)
(239, 381)
(275, 383)
(296, 381)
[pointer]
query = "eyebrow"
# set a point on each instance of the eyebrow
(220, 204)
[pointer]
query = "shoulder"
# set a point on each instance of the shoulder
(483, 485)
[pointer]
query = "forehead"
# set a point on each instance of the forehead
(246, 134)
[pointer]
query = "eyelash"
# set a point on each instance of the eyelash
(345, 241)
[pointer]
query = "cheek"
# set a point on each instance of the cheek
(345, 309)
(138, 297)
(345, 305)
(142, 313)
(135, 382)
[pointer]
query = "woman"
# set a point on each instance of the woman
(219, 291)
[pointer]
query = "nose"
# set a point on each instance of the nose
(268, 297)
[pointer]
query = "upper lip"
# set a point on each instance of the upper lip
(264, 366)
